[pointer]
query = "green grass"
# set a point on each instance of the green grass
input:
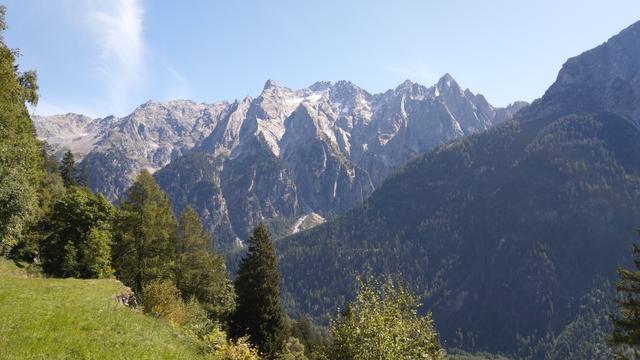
(44, 318)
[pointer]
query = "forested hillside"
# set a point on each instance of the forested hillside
(505, 233)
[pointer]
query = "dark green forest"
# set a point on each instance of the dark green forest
(504, 233)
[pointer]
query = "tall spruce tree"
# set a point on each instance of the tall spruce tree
(200, 272)
(259, 313)
(68, 169)
(21, 162)
(626, 325)
(145, 235)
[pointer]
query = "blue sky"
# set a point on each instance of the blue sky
(106, 57)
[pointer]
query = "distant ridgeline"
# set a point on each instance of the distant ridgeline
(510, 235)
(294, 157)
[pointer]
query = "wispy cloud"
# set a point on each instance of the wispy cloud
(118, 27)
(118, 61)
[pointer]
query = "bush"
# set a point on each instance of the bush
(195, 320)
(162, 299)
(382, 323)
(217, 344)
(240, 350)
(293, 350)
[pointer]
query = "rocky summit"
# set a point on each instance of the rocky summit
(281, 156)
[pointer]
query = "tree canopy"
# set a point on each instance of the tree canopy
(383, 323)
(21, 162)
(200, 272)
(145, 235)
(78, 243)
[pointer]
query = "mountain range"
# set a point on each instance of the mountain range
(290, 157)
(511, 235)
(508, 222)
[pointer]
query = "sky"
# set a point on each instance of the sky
(100, 57)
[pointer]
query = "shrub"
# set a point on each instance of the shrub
(195, 320)
(162, 299)
(382, 323)
(240, 350)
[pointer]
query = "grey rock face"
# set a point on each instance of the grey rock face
(114, 150)
(604, 79)
(283, 155)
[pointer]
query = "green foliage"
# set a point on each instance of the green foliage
(95, 261)
(78, 243)
(196, 321)
(51, 190)
(293, 350)
(259, 313)
(162, 299)
(210, 338)
(18, 203)
(230, 350)
(21, 163)
(145, 235)
(625, 337)
(312, 337)
(457, 354)
(68, 169)
(383, 323)
(200, 272)
(582, 338)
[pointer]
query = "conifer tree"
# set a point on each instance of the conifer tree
(200, 272)
(259, 313)
(626, 325)
(68, 169)
(145, 236)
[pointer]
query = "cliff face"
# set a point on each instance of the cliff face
(283, 155)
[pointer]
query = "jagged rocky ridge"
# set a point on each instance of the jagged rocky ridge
(286, 154)
(114, 150)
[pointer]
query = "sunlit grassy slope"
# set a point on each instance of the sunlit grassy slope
(78, 319)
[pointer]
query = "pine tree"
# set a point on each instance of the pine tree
(145, 235)
(68, 169)
(200, 272)
(626, 325)
(259, 313)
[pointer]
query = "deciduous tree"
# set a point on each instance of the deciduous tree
(383, 323)
(78, 238)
